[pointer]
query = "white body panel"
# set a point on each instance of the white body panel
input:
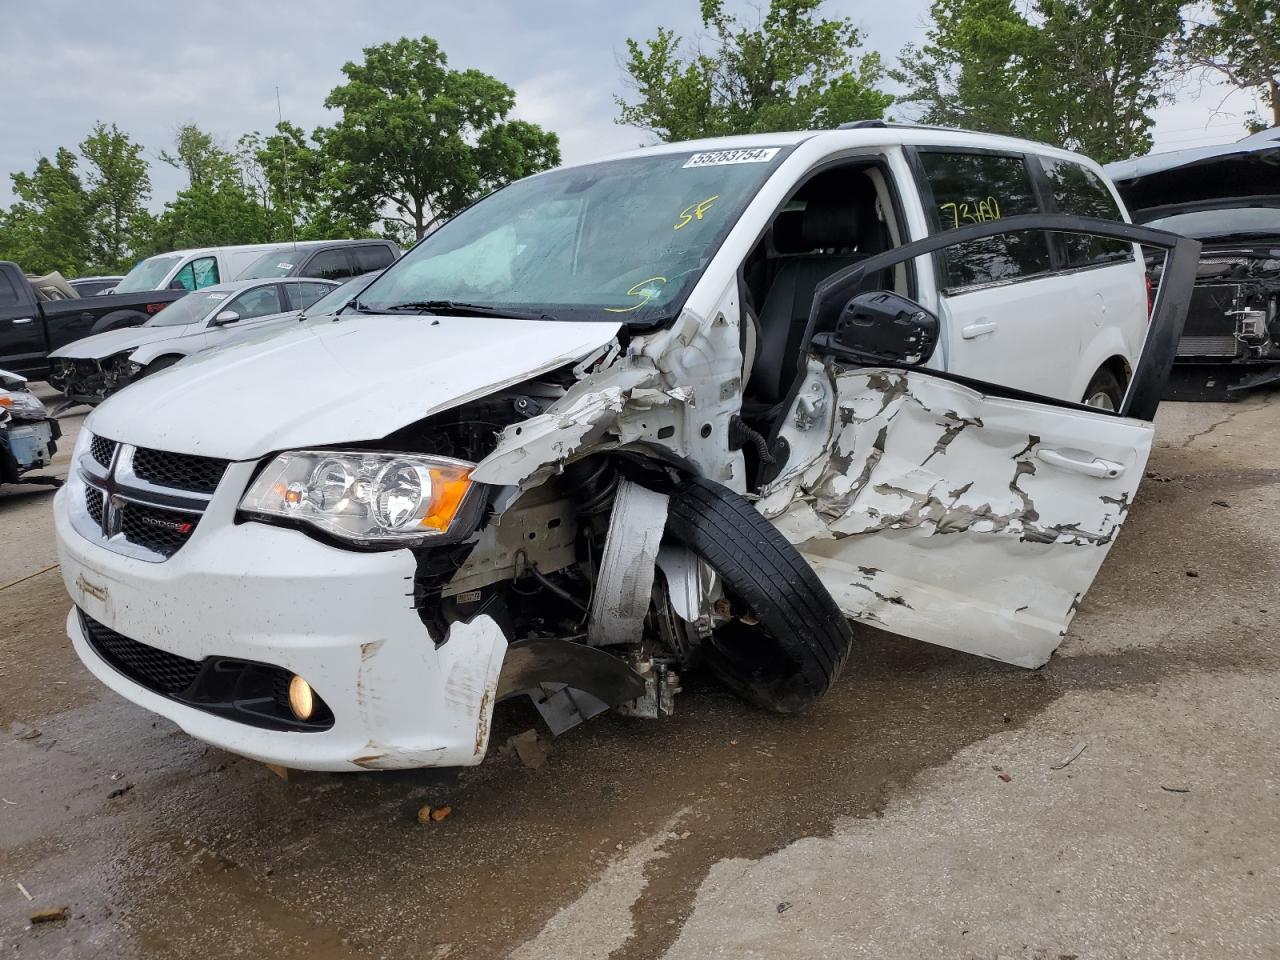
(359, 378)
(102, 345)
(941, 515)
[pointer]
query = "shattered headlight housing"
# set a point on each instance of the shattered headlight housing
(367, 498)
(23, 405)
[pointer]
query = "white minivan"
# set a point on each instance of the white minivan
(697, 406)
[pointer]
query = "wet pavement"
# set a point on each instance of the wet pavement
(874, 826)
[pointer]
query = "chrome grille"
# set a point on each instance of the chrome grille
(140, 502)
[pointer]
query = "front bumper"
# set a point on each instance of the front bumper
(342, 620)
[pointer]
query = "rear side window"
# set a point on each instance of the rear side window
(303, 295)
(1079, 191)
(198, 274)
(258, 302)
(329, 265)
(971, 188)
(372, 257)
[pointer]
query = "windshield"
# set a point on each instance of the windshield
(1223, 222)
(619, 240)
(339, 297)
(275, 263)
(192, 308)
(148, 274)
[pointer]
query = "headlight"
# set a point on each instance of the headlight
(23, 405)
(369, 499)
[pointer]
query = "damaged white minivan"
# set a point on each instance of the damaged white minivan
(697, 406)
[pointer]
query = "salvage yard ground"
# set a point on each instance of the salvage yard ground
(916, 812)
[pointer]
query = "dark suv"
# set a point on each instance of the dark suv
(325, 259)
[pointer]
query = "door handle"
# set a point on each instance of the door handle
(1078, 462)
(980, 329)
(23, 320)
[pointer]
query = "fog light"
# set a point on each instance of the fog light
(302, 701)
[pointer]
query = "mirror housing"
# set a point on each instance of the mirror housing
(174, 285)
(225, 317)
(883, 327)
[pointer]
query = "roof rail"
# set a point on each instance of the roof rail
(862, 124)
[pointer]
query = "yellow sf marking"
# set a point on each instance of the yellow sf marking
(695, 211)
(637, 291)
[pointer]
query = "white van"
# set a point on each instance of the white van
(201, 267)
(693, 407)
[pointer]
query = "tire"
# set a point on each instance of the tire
(1104, 391)
(795, 651)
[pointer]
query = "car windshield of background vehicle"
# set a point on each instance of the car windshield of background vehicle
(192, 308)
(1225, 222)
(276, 263)
(147, 274)
(338, 297)
(623, 240)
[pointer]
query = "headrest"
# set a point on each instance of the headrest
(832, 222)
(788, 235)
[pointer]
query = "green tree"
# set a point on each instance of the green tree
(791, 70)
(423, 139)
(1084, 74)
(47, 227)
(1240, 40)
(199, 155)
(119, 184)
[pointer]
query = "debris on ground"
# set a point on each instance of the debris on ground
(120, 791)
(22, 731)
(1006, 777)
(530, 748)
(1075, 752)
(50, 915)
(23, 891)
(1221, 503)
(784, 906)
(1168, 789)
(1193, 573)
(429, 814)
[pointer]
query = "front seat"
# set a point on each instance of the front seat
(833, 224)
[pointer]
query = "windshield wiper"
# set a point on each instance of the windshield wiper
(461, 309)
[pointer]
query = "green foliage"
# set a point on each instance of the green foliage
(47, 227)
(792, 70)
(1084, 74)
(119, 185)
(425, 139)
(199, 155)
(1240, 40)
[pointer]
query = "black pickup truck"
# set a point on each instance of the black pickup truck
(34, 321)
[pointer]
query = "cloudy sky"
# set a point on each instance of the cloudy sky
(150, 67)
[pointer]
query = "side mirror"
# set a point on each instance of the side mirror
(176, 285)
(225, 317)
(882, 327)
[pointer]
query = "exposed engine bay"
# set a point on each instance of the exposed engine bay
(89, 380)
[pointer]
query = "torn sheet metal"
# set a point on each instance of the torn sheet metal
(941, 521)
(624, 585)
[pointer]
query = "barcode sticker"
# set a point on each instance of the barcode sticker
(718, 158)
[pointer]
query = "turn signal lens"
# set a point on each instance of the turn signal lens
(302, 700)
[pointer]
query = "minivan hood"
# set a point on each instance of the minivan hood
(359, 378)
(103, 345)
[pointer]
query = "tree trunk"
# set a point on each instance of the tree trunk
(419, 223)
(1273, 90)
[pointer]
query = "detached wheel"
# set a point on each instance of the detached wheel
(787, 640)
(1104, 391)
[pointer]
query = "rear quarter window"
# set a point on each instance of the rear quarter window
(1079, 191)
(329, 265)
(372, 257)
(970, 188)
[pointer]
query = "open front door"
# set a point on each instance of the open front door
(971, 521)
(969, 514)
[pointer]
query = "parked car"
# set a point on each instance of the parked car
(691, 406)
(28, 435)
(90, 370)
(326, 259)
(1228, 198)
(339, 299)
(43, 313)
(94, 286)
